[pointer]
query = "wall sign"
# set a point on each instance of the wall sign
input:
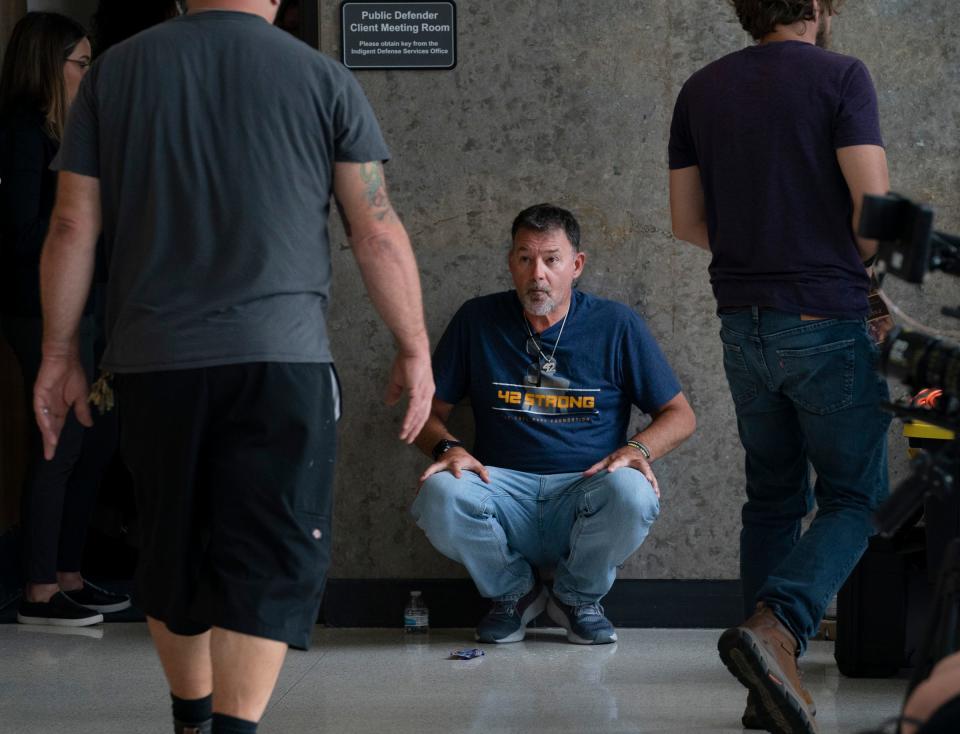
(398, 35)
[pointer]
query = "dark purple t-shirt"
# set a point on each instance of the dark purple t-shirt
(763, 125)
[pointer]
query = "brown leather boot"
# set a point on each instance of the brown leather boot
(762, 654)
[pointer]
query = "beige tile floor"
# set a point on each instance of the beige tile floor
(361, 681)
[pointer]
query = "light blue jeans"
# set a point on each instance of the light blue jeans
(585, 527)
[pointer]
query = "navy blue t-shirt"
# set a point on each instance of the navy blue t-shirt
(607, 360)
(763, 125)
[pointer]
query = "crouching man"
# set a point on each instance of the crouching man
(552, 481)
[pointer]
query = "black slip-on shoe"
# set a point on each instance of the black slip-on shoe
(60, 611)
(98, 599)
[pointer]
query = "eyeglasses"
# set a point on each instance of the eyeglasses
(82, 63)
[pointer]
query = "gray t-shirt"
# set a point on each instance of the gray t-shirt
(214, 137)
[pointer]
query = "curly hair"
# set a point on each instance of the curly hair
(760, 17)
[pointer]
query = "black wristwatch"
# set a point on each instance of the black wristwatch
(443, 446)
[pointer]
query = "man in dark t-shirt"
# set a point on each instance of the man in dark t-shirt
(208, 148)
(551, 481)
(772, 149)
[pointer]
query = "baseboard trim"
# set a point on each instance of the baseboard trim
(639, 603)
(688, 604)
(10, 577)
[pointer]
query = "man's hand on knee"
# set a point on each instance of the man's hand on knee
(626, 456)
(456, 461)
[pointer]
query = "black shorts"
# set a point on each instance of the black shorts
(233, 473)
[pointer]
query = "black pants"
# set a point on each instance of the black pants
(233, 475)
(58, 495)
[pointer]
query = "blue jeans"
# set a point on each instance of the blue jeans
(806, 393)
(583, 526)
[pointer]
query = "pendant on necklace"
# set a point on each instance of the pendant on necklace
(549, 366)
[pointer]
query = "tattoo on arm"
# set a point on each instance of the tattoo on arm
(372, 176)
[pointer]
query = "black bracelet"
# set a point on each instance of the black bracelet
(641, 448)
(443, 446)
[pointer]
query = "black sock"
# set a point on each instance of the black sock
(192, 711)
(223, 724)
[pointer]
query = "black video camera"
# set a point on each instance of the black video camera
(910, 249)
(909, 246)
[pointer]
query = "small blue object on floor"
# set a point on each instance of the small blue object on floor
(470, 654)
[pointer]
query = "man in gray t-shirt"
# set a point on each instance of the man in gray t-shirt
(214, 138)
(206, 150)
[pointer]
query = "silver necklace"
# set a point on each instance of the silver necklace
(549, 363)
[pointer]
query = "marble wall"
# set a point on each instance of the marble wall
(570, 102)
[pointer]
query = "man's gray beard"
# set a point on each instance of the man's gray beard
(538, 309)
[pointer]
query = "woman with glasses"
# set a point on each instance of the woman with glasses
(45, 61)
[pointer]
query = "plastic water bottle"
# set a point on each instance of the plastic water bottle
(416, 617)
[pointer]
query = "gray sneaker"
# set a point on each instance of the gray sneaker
(507, 620)
(585, 624)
